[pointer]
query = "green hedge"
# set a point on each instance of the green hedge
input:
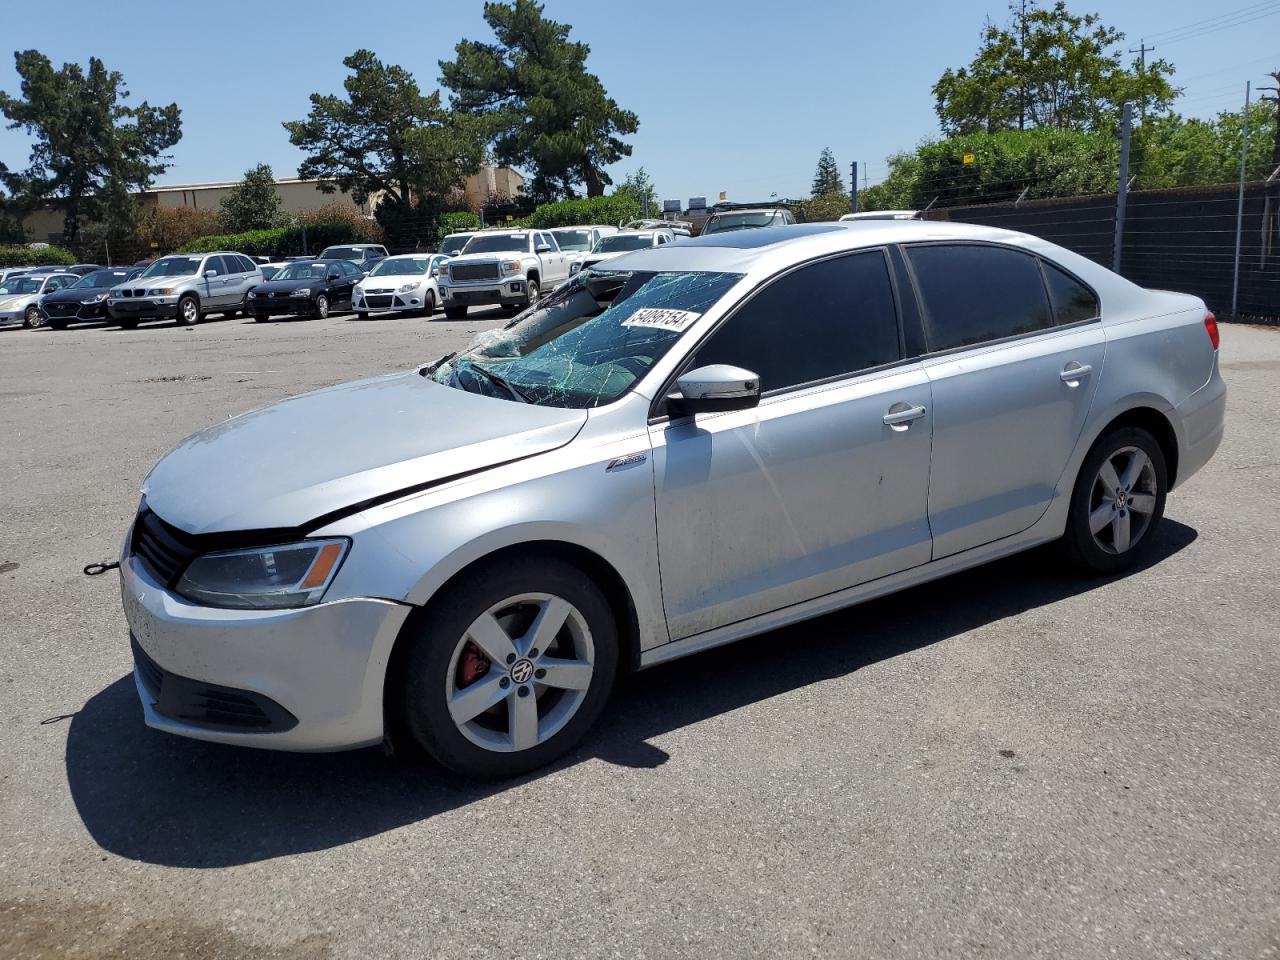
(277, 242)
(612, 210)
(26, 257)
(457, 221)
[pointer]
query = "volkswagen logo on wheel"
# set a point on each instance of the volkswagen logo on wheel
(522, 671)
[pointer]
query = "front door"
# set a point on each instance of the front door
(813, 491)
(1011, 396)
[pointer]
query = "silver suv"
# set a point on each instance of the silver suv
(185, 287)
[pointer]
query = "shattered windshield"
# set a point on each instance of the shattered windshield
(587, 343)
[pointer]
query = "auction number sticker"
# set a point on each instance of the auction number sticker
(677, 320)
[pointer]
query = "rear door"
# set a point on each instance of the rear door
(812, 491)
(1013, 374)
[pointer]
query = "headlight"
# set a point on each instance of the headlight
(161, 291)
(96, 298)
(291, 575)
(511, 266)
(302, 292)
(407, 287)
(251, 295)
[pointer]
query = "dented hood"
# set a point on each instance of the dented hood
(323, 452)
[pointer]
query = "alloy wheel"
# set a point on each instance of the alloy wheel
(1122, 500)
(190, 312)
(33, 318)
(520, 672)
(322, 306)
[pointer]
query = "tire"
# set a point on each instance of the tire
(1113, 518)
(322, 307)
(442, 660)
(188, 310)
(429, 304)
(455, 313)
(532, 294)
(32, 317)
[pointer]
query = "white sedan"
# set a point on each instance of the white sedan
(20, 296)
(403, 284)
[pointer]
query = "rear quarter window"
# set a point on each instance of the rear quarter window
(1072, 300)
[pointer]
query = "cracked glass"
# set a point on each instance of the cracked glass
(586, 344)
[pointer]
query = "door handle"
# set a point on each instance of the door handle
(900, 415)
(1074, 372)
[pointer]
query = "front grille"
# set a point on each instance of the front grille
(378, 301)
(62, 308)
(208, 704)
(281, 294)
(473, 271)
(165, 549)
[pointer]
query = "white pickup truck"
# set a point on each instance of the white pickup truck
(507, 267)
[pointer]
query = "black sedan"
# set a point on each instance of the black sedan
(86, 299)
(309, 287)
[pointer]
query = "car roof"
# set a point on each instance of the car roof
(764, 251)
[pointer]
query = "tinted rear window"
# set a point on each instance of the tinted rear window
(825, 320)
(1072, 300)
(973, 294)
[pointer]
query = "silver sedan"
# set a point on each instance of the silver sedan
(689, 445)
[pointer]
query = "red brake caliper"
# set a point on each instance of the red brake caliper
(472, 665)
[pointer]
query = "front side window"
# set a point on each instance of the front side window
(172, 267)
(825, 320)
(1072, 300)
(586, 344)
(214, 265)
(973, 294)
(498, 243)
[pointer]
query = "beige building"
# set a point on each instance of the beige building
(296, 195)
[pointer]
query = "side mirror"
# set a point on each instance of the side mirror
(543, 248)
(211, 273)
(714, 389)
(333, 276)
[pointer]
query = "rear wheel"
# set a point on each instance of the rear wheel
(32, 317)
(510, 669)
(455, 313)
(1117, 502)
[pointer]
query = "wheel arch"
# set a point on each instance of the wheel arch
(1155, 423)
(536, 276)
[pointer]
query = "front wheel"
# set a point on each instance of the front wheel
(1117, 502)
(32, 317)
(428, 304)
(188, 311)
(534, 291)
(322, 307)
(510, 669)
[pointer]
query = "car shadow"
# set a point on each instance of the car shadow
(161, 799)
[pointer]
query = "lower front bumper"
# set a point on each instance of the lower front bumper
(142, 310)
(302, 308)
(308, 679)
(511, 293)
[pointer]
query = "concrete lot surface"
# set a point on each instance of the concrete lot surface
(1010, 763)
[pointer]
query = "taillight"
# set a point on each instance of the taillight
(1211, 327)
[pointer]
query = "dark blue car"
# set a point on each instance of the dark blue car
(85, 300)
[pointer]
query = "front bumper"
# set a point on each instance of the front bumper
(315, 673)
(143, 308)
(274, 307)
(507, 292)
(74, 311)
(387, 302)
(12, 314)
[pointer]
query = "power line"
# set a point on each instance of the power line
(1214, 22)
(1237, 22)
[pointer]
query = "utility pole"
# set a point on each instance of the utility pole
(1022, 67)
(1244, 152)
(1122, 188)
(1275, 98)
(1142, 52)
(853, 192)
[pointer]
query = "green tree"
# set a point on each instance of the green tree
(385, 137)
(545, 111)
(640, 185)
(90, 150)
(253, 203)
(1172, 151)
(1051, 68)
(826, 179)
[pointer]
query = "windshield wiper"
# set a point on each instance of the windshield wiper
(498, 380)
(433, 367)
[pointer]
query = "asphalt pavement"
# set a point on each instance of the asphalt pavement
(1013, 762)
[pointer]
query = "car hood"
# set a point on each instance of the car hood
(17, 300)
(76, 293)
(313, 455)
(153, 283)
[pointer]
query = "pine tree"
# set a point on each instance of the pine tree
(827, 177)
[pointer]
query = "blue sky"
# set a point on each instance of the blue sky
(735, 96)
